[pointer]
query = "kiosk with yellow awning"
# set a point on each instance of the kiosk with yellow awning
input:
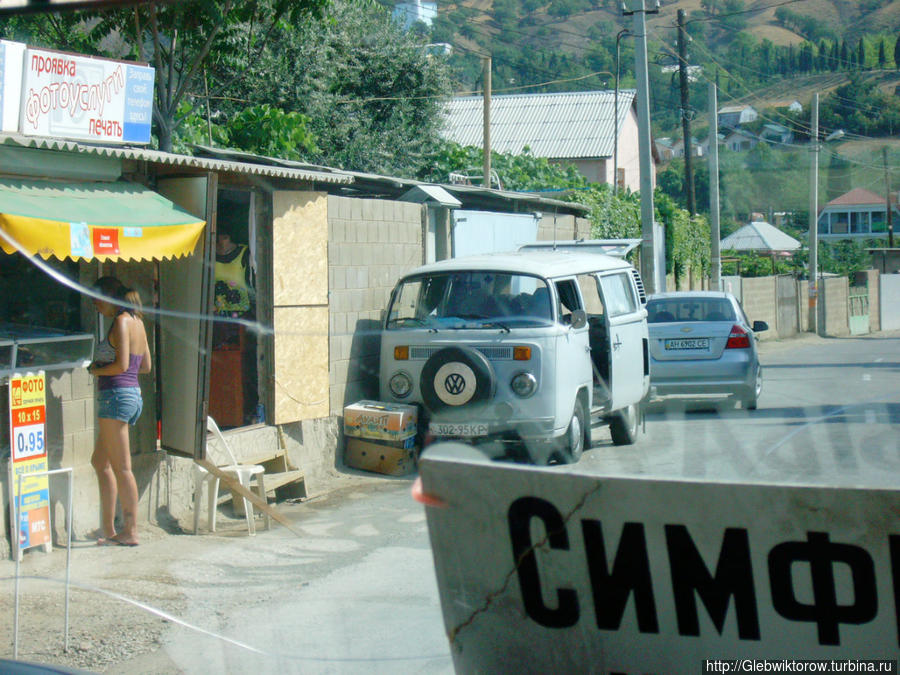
(102, 221)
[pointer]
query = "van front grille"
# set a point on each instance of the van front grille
(491, 352)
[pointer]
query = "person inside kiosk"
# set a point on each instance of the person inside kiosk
(233, 393)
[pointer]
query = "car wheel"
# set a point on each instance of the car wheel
(623, 425)
(750, 401)
(574, 440)
(455, 377)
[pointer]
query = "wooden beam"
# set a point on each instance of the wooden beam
(235, 485)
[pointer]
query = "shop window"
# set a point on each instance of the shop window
(30, 297)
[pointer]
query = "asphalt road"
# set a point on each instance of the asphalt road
(828, 415)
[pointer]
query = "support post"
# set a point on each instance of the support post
(714, 235)
(486, 182)
(813, 219)
(686, 115)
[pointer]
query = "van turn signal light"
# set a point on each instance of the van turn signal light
(521, 353)
(401, 353)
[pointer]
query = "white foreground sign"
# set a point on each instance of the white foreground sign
(550, 571)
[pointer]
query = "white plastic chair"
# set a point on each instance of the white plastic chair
(219, 453)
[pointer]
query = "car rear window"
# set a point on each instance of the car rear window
(689, 309)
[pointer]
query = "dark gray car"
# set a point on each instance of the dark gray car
(702, 344)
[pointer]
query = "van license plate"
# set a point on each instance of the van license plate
(688, 343)
(446, 429)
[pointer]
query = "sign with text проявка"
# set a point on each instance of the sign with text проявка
(541, 570)
(72, 96)
(28, 451)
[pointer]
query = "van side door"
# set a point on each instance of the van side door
(627, 326)
(573, 352)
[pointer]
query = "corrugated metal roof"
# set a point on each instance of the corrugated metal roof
(205, 163)
(565, 125)
(759, 236)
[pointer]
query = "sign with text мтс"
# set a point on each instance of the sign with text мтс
(541, 570)
(28, 452)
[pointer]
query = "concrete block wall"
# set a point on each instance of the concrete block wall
(758, 301)
(565, 227)
(371, 243)
(835, 293)
(803, 305)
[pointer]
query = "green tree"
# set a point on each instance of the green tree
(882, 57)
(372, 93)
(861, 54)
(182, 40)
(897, 54)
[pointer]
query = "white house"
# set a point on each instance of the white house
(408, 13)
(858, 214)
(576, 128)
(738, 140)
(696, 148)
(735, 115)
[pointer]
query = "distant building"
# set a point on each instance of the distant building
(738, 140)
(408, 13)
(696, 148)
(664, 148)
(858, 214)
(776, 133)
(575, 128)
(735, 115)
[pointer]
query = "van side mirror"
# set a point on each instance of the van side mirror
(579, 318)
(760, 326)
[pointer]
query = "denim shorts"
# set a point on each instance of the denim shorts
(120, 403)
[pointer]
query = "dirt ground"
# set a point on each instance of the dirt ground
(122, 601)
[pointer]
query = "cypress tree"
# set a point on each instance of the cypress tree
(861, 54)
(845, 55)
(822, 64)
(882, 57)
(833, 57)
(897, 54)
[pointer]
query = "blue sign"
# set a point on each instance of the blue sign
(138, 104)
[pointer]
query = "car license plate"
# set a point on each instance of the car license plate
(687, 343)
(447, 429)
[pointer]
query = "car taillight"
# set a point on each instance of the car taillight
(738, 339)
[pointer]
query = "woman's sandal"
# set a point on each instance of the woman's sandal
(112, 541)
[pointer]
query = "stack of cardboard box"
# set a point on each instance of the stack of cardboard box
(380, 437)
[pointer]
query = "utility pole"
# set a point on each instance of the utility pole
(622, 33)
(685, 114)
(715, 281)
(649, 246)
(486, 181)
(813, 219)
(887, 199)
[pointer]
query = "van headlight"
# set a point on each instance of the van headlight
(523, 384)
(400, 384)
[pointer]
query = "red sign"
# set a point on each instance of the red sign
(106, 241)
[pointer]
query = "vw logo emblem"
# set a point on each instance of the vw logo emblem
(455, 384)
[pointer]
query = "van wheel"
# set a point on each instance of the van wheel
(623, 425)
(573, 442)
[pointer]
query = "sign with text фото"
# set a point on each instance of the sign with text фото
(27, 421)
(72, 96)
(542, 570)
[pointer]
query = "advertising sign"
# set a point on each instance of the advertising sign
(27, 418)
(543, 570)
(11, 57)
(72, 96)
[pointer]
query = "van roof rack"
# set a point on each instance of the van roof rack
(614, 247)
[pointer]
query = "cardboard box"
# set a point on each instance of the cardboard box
(378, 457)
(381, 421)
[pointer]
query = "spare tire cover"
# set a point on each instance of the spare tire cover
(455, 377)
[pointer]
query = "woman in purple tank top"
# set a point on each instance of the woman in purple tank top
(120, 357)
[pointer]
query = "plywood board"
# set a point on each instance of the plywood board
(300, 248)
(301, 363)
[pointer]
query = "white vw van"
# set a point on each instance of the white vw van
(519, 352)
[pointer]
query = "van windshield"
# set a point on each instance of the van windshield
(470, 299)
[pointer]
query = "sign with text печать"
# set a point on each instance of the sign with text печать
(72, 96)
(28, 446)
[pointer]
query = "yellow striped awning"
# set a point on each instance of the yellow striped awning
(102, 221)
